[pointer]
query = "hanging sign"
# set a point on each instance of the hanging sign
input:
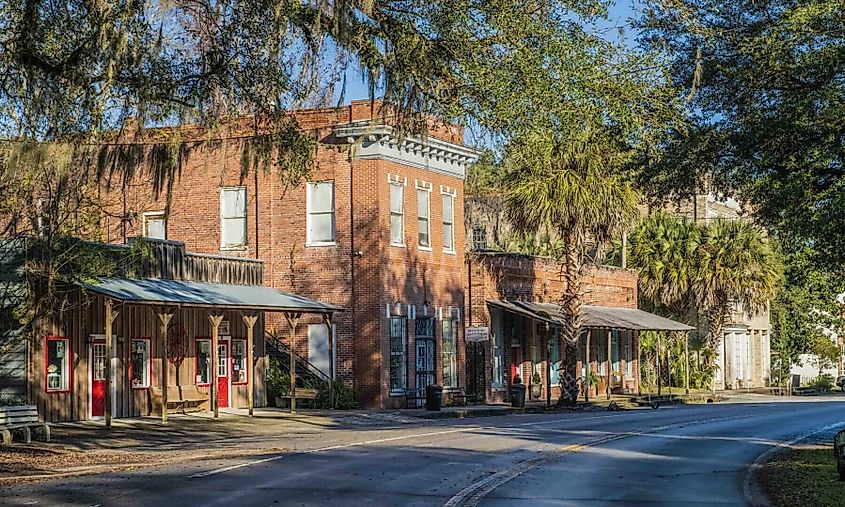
(477, 334)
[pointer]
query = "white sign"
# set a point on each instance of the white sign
(477, 334)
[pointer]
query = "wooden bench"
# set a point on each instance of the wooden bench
(21, 418)
(458, 393)
(302, 393)
(179, 398)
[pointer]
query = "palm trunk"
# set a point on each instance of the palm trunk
(570, 308)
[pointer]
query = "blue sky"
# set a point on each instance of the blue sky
(619, 15)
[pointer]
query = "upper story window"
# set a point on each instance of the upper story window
(397, 214)
(155, 225)
(233, 217)
(448, 222)
(320, 209)
(479, 238)
(423, 217)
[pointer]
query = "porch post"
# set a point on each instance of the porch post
(215, 337)
(327, 320)
(587, 366)
(165, 320)
(249, 320)
(657, 359)
(686, 359)
(293, 319)
(111, 314)
(609, 362)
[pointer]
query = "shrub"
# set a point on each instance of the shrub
(823, 381)
(278, 380)
(344, 396)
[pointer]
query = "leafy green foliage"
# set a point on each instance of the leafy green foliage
(823, 381)
(278, 379)
(344, 396)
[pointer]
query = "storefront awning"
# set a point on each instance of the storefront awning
(156, 291)
(594, 316)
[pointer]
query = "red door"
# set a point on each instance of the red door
(98, 379)
(223, 374)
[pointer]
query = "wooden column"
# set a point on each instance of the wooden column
(293, 319)
(164, 317)
(686, 359)
(587, 366)
(327, 320)
(609, 362)
(215, 338)
(111, 314)
(249, 320)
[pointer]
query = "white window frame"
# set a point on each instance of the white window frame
(233, 246)
(147, 369)
(449, 357)
(308, 212)
(154, 215)
(65, 375)
(451, 196)
(401, 213)
(420, 246)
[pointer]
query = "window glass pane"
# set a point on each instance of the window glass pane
(57, 361)
(140, 363)
(448, 211)
(203, 362)
(234, 231)
(233, 203)
(396, 192)
(397, 353)
(396, 230)
(422, 224)
(239, 361)
(322, 194)
(448, 244)
(322, 227)
(449, 356)
(155, 227)
(422, 203)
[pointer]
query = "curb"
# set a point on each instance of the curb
(751, 490)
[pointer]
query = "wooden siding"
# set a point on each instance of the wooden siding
(171, 261)
(87, 317)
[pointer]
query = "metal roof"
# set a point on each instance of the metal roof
(157, 291)
(595, 316)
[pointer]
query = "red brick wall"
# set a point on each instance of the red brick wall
(335, 274)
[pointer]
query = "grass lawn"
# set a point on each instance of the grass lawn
(805, 476)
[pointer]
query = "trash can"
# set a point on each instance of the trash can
(518, 395)
(433, 398)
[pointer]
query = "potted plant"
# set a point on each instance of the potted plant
(592, 381)
(536, 385)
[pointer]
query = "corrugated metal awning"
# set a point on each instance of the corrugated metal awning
(156, 291)
(595, 316)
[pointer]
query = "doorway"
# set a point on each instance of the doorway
(98, 378)
(223, 369)
(424, 347)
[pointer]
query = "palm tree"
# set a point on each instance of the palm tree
(735, 264)
(662, 249)
(567, 188)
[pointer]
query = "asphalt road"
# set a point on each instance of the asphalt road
(681, 455)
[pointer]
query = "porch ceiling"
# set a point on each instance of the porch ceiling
(595, 316)
(156, 291)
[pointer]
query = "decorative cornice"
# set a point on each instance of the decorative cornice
(381, 143)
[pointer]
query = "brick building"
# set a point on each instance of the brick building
(373, 230)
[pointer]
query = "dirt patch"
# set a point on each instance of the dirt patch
(802, 476)
(29, 463)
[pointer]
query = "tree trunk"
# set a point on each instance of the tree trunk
(570, 303)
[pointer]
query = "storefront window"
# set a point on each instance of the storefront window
(58, 364)
(239, 368)
(203, 362)
(497, 352)
(450, 349)
(140, 363)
